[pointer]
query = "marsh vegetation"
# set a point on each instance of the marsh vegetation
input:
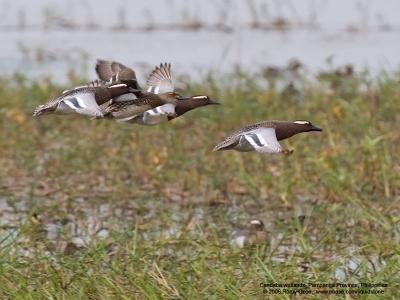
(98, 209)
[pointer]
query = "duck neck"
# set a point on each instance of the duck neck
(186, 105)
(286, 130)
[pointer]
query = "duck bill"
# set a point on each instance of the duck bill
(315, 128)
(213, 102)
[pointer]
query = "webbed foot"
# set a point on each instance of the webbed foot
(287, 151)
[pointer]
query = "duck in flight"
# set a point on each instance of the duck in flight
(160, 84)
(264, 137)
(84, 100)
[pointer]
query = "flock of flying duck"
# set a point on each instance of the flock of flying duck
(117, 95)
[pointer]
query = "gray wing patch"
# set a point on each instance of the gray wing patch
(84, 104)
(263, 140)
(73, 103)
(255, 139)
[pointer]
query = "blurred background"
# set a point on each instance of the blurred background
(45, 37)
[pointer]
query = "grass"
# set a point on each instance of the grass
(102, 210)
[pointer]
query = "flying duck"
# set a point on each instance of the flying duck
(159, 83)
(263, 137)
(125, 110)
(84, 100)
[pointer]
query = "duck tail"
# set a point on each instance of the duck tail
(226, 144)
(219, 147)
(40, 110)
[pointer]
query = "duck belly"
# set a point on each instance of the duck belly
(149, 119)
(158, 115)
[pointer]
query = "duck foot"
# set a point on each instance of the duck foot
(287, 151)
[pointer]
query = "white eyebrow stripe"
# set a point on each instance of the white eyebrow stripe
(117, 85)
(301, 122)
(199, 97)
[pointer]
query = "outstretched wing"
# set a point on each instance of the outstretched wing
(263, 140)
(84, 104)
(160, 80)
(106, 69)
(94, 83)
(115, 72)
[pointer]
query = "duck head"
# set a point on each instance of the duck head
(285, 130)
(186, 104)
(202, 100)
(305, 126)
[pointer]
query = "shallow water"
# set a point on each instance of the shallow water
(40, 39)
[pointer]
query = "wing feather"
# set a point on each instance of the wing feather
(263, 140)
(106, 69)
(84, 104)
(160, 80)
